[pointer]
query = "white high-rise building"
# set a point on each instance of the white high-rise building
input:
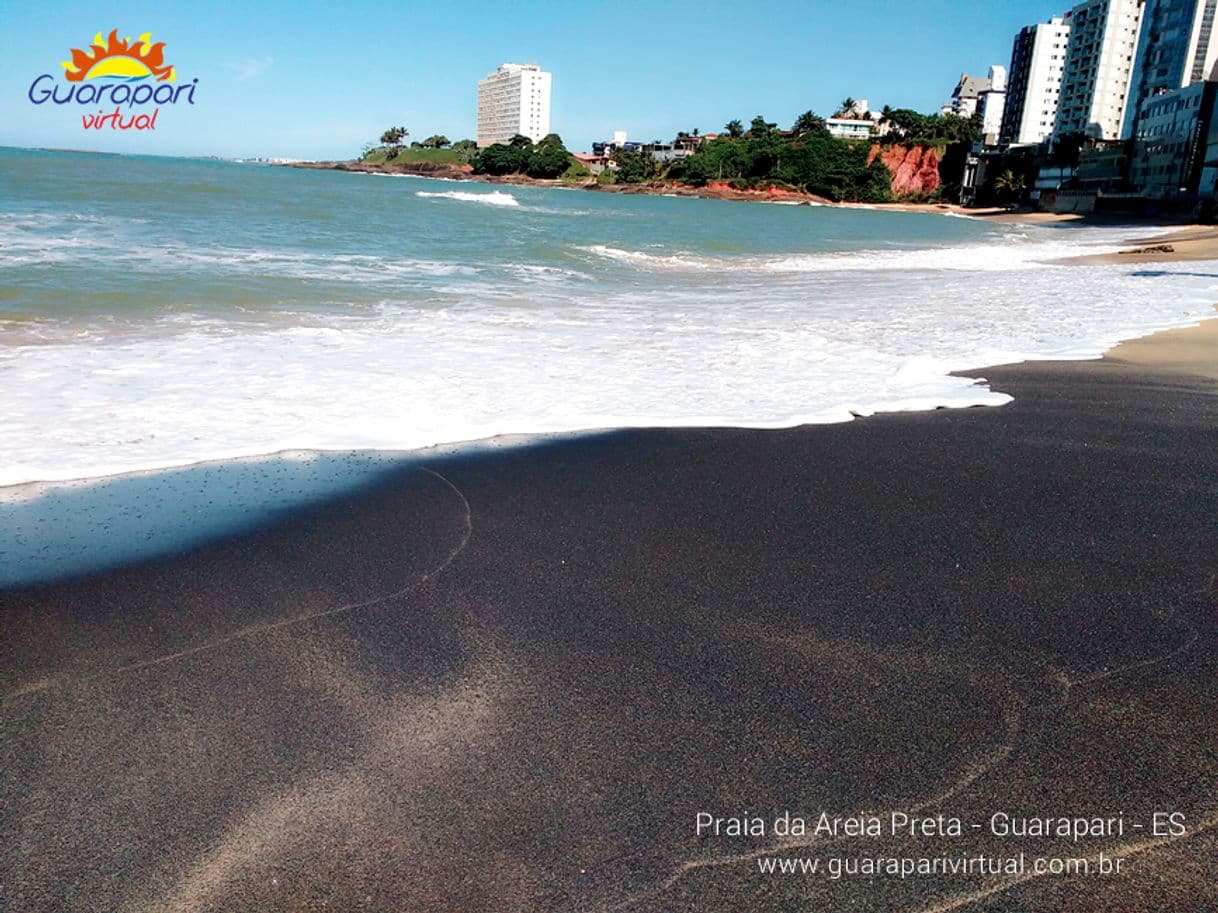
(1178, 48)
(513, 99)
(1038, 58)
(1099, 63)
(991, 105)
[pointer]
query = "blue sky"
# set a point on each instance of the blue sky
(314, 80)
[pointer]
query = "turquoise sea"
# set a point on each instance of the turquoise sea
(159, 313)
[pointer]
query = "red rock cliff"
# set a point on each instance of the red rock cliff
(915, 169)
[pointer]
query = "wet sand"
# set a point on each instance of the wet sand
(511, 681)
(1191, 243)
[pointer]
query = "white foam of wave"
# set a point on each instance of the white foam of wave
(23, 249)
(966, 258)
(346, 267)
(725, 348)
(1019, 252)
(494, 198)
(643, 258)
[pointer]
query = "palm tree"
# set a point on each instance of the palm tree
(1008, 186)
(847, 108)
(394, 136)
(808, 122)
(734, 129)
(760, 127)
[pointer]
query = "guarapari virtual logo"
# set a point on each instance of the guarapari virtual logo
(130, 75)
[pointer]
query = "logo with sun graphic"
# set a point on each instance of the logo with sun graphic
(119, 58)
(130, 75)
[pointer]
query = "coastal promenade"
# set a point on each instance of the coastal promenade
(513, 681)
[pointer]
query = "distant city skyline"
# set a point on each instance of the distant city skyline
(280, 80)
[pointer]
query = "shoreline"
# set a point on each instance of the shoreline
(1186, 352)
(32, 489)
(1176, 244)
(720, 190)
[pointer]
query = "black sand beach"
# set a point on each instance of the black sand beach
(511, 682)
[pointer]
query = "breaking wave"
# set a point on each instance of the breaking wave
(494, 198)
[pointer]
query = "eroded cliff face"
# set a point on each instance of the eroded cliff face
(915, 169)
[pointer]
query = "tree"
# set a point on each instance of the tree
(394, 136)
(1008, 186)
(932, 129)
(759, 127)
(634, 166)
(436, 141)
(808, 122)
(466, 149)
(734, 129)
(547, 161)
(501, 159)
(847, 107)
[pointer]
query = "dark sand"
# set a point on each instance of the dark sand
(566, 652)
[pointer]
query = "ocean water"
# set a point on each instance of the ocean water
(159, 313)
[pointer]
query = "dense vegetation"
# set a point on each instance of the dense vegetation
(931, 129)
(436, 148)
(805, 157)
(412, 155)
(548, 158)
(815, 162)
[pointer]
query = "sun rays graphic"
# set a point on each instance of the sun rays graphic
(119, 58)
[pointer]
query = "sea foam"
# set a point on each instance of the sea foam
(494, 198)
(213, 327)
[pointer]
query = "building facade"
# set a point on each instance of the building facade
(1208, 187)
(1169, 148)
(1099, 62)
(992, 105)
(513, 99)
(966, 96)
(850, 127)
(1038, 57)
(1178, 47)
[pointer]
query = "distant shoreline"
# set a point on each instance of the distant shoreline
(721, 190)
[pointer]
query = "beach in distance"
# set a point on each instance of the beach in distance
(393, 544)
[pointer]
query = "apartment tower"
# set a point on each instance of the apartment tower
(1178, 48)
(1099, 63)
(992, 105)
(513, 99)
(1038, 57)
